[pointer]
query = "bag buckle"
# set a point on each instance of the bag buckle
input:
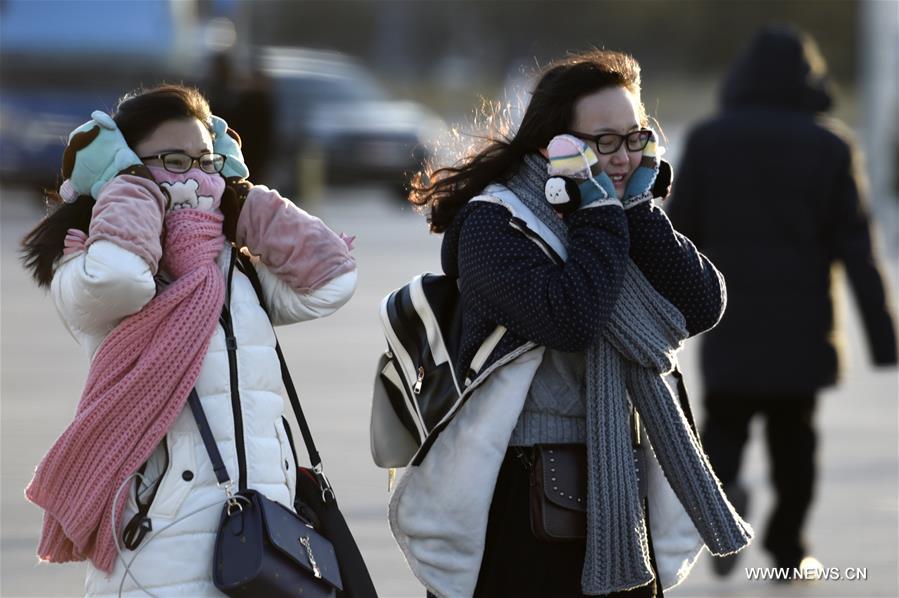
(233, 501)
(323, 483)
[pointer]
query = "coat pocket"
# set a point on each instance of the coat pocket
(143, 493)
(178, 479)
(149, 476)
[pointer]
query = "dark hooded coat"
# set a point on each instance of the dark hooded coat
(772, 193)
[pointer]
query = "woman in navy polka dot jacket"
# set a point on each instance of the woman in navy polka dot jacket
(506, 279)
(515, 288)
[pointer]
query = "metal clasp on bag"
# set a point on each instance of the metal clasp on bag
(308, 546)
(233, 501)
(323, 483)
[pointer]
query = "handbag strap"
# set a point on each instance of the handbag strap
(218, 464)
(246, 266)
(212, 449)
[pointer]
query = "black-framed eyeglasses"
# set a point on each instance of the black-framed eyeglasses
(608, 143)
(179, 162)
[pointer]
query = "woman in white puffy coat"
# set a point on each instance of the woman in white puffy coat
(99, 278)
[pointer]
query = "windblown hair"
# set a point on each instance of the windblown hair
(442, 192)
(137, 115)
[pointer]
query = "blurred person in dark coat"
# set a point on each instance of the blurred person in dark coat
(773, 193)
(248, 105)
(254, 120)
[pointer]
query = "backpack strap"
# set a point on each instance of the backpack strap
(246, 266)
(502, 195)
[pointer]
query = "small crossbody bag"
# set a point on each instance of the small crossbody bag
(558, 491)
(558, 476)
(262, 548)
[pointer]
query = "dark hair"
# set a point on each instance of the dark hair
(443, 191)
(137, 115)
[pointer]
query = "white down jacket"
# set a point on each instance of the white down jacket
(93, 291)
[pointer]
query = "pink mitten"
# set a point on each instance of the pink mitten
(129, 213)
(293, 244)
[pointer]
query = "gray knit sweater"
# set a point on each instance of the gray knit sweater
(555, 410)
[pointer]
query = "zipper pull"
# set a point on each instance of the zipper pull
(421, 377)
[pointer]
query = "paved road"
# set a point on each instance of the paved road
(854, 523)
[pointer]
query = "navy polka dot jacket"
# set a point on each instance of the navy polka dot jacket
(505, 278)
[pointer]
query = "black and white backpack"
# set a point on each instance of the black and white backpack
(415, 386)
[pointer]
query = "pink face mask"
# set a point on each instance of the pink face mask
(192, 189)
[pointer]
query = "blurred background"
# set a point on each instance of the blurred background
(338, 104)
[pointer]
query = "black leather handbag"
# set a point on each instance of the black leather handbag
(558, 501)
(558, 497)
(262, 547)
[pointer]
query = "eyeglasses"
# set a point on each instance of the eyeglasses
(179, 162)
(609, 143)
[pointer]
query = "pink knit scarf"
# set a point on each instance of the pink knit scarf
(137, 385)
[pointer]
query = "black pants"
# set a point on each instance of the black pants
(791, 440)
(516, 563)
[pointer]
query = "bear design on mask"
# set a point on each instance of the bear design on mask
(184, 195)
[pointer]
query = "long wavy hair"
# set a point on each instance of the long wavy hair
(442, 191)
(137, 115)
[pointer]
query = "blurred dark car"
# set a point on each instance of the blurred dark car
(334, 119)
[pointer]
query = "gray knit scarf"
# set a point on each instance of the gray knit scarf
(636, 348)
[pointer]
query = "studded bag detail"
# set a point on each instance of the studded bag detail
(558, 500)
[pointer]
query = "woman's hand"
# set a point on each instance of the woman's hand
(640, 186)
(129, 213)
(296, 246)
(97, 152)
(577, 180)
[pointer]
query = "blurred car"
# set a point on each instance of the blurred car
(332, 114)
(54, 74)
(36, 118)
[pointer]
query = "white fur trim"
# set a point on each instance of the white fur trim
(438, 511)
